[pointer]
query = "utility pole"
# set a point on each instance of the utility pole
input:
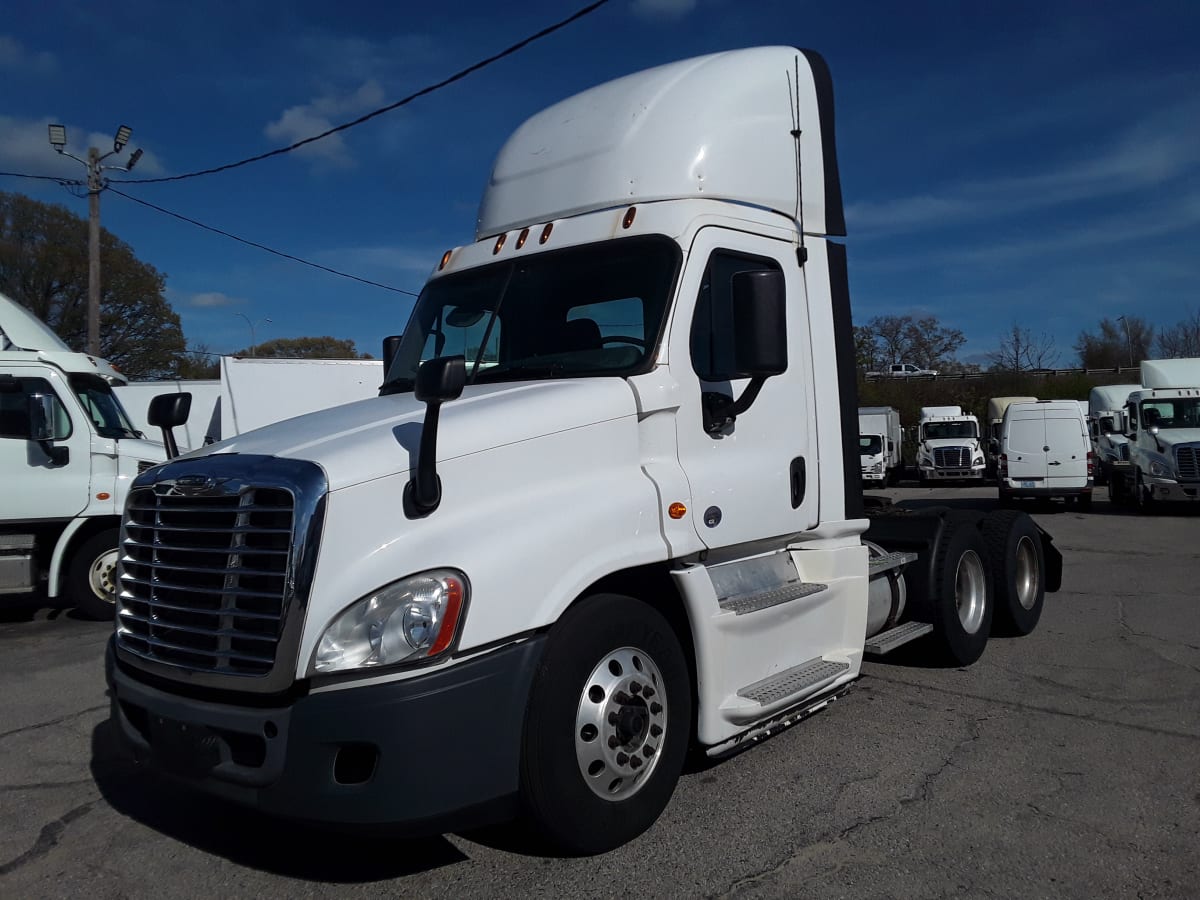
(1128, 342)
(95, 184)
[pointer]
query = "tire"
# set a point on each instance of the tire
(1116, 490)
(588, 729)
(1084, 502)
(91, 575)
(1017, 561)
(960, 601)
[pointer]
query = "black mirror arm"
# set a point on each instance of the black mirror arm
(168, 436)
(720, 410)
(59, 456)
(423, 493)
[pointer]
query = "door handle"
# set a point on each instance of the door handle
(1055, 463)
(799, 479)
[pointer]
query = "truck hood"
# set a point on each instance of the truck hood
(140, 449)
(1171, 438)
(374, 438)
(949, 442)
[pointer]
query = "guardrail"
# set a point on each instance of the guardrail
(1036, 373)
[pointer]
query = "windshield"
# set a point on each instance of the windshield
(936, 431)
(1183, 412)
(102, 405)
(591, 310)
(870, 445)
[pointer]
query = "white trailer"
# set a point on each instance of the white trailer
(68, 453)
(880, 440)
(252, 392)
(525, 581)
(948, 445)
(1162, 421)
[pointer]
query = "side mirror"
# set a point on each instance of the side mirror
(166, 412)
(438, 380)
(1106, 425)
(391, 346)
(891, 445)
(42, 428)
(760, 323)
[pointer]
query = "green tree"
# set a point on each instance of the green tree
(305, 348)
(1115, 342)
(44, 267)
(199, 362)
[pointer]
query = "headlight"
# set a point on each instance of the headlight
(878, 467)
(1159, 469)
(979, 461)
(414, 618)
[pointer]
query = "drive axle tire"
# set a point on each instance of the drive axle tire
(92, 573)
(1018, 565)
(960, 601)
(608, 725)
(1142, 498)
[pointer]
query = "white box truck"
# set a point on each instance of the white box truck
(1163, 426)
(948, 445)
(1106, 425)
(68, 453)
(251, 393)
(526, 580)
(1045, 452)
(880, 440)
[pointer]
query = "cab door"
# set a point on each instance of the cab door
(36, 487)
(756, 479)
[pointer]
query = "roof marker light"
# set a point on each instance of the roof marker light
(546, 233)
(629, 214)
(445, 259)
(499, 244)
(522, 238)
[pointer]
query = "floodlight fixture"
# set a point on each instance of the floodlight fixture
(137, 154)
(58, 137)
(122, 138)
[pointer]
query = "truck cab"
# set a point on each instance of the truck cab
(948, 445)
(68, 453)
(1163, 428)
(1106, 426)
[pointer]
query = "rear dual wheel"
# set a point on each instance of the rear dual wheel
(1017, 562)
(960, 592)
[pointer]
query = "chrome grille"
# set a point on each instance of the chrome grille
(1187, 459)
(204, 578)
(952, 457)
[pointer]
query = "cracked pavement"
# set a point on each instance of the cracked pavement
(1064, 764)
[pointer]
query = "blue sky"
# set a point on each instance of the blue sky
(1028, 162)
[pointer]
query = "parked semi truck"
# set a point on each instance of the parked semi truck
(1106, 426)
(948, 445)
(880, 440)
(251, 393)
(526, 580)
(1162, 419)
(68, 453)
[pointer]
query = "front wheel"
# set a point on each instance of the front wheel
(92, 574)
(1142, 497)
(607, 727)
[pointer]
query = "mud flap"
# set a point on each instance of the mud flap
(1054, 561)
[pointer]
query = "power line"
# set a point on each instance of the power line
(458, 76)
(241, 240)
(63, 181)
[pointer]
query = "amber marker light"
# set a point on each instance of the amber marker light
(629, 214)
(522, 238)
(546, 233)
(103, 495)
(499, 244)
(676, 510)
(445, 259)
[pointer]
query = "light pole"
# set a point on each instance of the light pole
(95, 183)
(263, 321)
(1128, 342)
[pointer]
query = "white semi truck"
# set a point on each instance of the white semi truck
(527, 580)
(1106, 425)
(880, 440)
(948, 445)
(68, 454)
(1162, 419)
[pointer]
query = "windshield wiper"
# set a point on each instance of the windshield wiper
(503, 373)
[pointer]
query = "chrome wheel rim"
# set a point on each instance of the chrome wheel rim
(970, 591)
(1027, 572)
(102, 576)
(620, 724)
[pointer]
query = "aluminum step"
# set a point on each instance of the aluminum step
(887, 641)
(793, 681)
(889, 561)
(748, 603)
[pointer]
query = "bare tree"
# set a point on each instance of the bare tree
(1020, 350)
(1180, 340)
(924, 342)
(1116, 342)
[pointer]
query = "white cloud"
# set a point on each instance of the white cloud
(211, 300)
(321, 114)
(663, 9)
(416, 260)
(26, 148)
(14, 56)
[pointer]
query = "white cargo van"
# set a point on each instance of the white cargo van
(1045, 452)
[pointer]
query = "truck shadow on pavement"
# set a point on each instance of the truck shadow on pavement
(251, 839)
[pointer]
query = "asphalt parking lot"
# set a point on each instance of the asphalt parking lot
(1063, 764)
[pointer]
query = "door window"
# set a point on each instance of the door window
(14, 410)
